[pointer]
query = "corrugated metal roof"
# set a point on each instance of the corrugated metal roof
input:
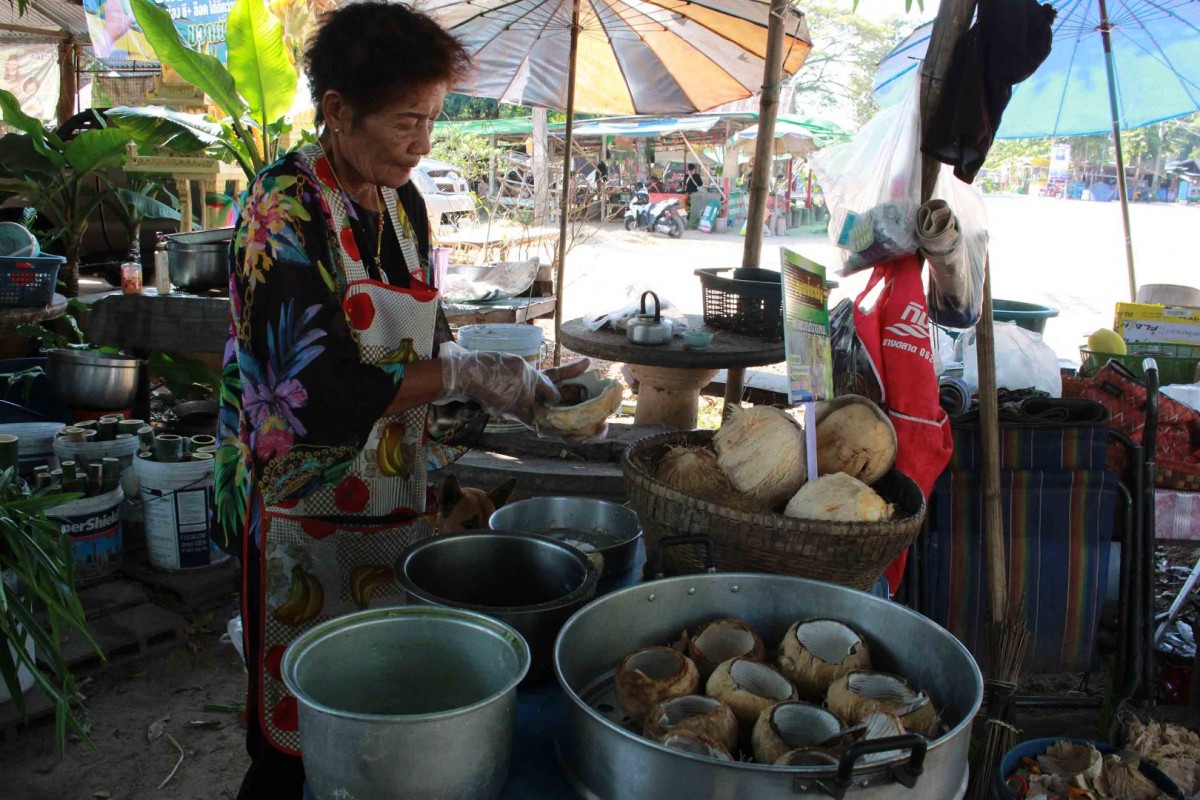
(52, 16)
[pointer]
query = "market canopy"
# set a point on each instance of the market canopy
(511, 126)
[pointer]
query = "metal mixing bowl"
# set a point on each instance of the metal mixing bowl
(613, 530)
(90, 379)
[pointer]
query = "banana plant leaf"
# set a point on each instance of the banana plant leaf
(45, 142)
(201, 70)
(96, 149)
(157, 126)
(259, 61)
(20, 158)
(146, 206)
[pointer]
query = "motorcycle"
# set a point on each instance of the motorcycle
(663, 216)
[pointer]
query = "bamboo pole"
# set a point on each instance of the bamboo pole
(760, 178)
(568, 136)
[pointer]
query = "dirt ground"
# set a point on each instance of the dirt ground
(132, 758)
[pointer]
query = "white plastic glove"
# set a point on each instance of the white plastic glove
(505, 385)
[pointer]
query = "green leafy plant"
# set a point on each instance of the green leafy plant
(142, 197)
(254, 93)
(39, 575)
(58, 178)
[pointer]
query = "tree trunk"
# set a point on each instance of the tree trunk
(1159, 157)
(68, 274)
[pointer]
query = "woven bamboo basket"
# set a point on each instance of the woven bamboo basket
(852, 554)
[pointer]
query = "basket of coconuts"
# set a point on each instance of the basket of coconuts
(746, 488)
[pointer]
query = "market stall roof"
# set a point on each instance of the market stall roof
(512, 126)
(43, 20)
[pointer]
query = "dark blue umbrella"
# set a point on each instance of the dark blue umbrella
(1115, 65)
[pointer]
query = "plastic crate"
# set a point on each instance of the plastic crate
(749, 302)
(1176, 362)
(28, 282)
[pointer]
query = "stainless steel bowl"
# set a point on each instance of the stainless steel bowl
(200, 261)
(612, 530)
(90, 379)
(532, 583)
(406, 702)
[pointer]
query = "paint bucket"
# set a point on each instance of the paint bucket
(177, 513)
(91, 452)
(515, 339)
(35, 444)
(93, 526)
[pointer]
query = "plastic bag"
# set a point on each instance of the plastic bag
(872, 186)
(852, 369)
(953, 237)
(1023, 361)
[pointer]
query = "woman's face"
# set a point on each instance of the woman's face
(384, 145)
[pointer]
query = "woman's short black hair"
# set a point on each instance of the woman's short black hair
(374, 52)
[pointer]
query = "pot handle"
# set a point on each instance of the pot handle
(906, 774)
(710, 565)
(657, 305)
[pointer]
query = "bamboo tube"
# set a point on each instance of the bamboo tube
(95, 478)
(110, 474)
(168, 448)
(107, 428)
(73, 433)
(8, 451)
(146, 437)
(130, 426)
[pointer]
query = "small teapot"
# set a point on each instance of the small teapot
(647, 328)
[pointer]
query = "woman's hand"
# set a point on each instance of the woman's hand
(505, 385)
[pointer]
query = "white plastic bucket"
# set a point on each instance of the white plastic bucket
(124, 450)
(35, 444)
(177, 512)
(513, 338)
(93, 524)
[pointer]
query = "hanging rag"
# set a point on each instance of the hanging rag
(895, 334)
(1008, 42)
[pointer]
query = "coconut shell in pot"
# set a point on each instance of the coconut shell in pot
(721, 640)
(748, 688)
(650, 675)
(858, 694)
(854, 436)
(786, 726)
(816, 652)
(693, 713)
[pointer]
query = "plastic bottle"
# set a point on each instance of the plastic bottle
(131, 277)
(162, 270)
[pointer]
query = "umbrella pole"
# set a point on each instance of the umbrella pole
(1111, 71)
(764, 145)
(568, 138)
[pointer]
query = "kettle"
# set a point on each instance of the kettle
(647, 328)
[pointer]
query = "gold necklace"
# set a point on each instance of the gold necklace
(379, 216)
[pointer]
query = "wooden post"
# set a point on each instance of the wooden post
(568, 137)
(760, 179)
(68, 82)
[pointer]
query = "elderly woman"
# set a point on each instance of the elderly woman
(337, 347)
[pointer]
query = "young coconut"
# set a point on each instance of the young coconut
(693, 713)
(748, 688)
(648, 676)
(786, 726)
(838, 498)
(696, 744)
(761, 449)
(808, 757)
(855, 437)
(721, 640)
(694, 471)
(854, 696)
(817, 652)
(882, 725)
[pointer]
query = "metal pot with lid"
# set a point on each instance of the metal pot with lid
(606, 758)
(647, 328)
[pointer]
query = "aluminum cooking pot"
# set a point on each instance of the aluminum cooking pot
(406, 702)
(611, 530)
(91, 379)
(647, 328)
(532, 583)
(607, 760)
(199, 261)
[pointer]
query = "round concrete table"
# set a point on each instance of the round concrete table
(671, 376)
(22, 316)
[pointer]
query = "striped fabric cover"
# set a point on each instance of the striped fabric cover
(1034, 448)
(1065, 521)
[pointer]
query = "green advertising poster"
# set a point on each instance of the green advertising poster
(806, 328)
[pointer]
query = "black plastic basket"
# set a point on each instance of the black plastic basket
(28, 281)
(749, 302)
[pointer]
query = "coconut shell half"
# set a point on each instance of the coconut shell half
(856, 695)
(596, 399)
(693, 713)
(786, 726)
(749, 688)
(817, 652)
(696, 744)
(721, 640)
(648, 676)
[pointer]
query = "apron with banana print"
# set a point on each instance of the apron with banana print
(331, 553)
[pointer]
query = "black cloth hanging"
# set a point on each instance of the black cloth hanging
(1008, 42)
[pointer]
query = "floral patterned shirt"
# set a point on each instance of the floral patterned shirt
(297, 404)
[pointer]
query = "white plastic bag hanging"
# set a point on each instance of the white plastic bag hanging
(953, 237)
(1023, 361)
(872, 186)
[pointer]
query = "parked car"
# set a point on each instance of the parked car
(447, 194)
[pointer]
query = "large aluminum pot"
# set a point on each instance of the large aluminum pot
(91, 379)
(406, 702)
(199, 261)
(611, 530)
(532, 583)
(606, 760)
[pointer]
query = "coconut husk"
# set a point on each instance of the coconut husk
(651, 675)
(1068, 760)
(694, 471)
(1122, 780)
(1173, 749)
(855, 437)
(858, 694)
(721, 640)
(696, 744)
(814, 669)
(693, 713)
(749, 688)
(787, 726)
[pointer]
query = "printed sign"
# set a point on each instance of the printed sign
(1060, 161)
(115, 33)
(31, 74)
(806, 328)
